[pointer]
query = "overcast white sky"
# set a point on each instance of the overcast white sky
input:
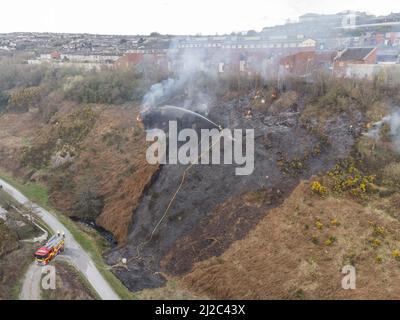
(168, 16)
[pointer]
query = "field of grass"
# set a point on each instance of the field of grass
(38, 194)
(35, 192)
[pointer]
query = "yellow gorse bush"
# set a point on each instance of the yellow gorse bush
(347, 178)
(396, 254)
(375, 243)
(319, 225)
(319, 189)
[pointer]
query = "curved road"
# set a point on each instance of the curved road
(73, 251)
(31, 286)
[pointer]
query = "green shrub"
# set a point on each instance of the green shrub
(106, 86)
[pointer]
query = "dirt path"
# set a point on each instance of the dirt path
(73, 251)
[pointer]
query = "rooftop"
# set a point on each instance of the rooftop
(350, 54)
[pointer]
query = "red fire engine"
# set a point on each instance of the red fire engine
(51, 249)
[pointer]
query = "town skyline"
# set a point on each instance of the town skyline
(173, 17)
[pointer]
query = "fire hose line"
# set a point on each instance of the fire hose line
(184, 175)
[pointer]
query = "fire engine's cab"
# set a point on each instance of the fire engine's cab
(51, 249)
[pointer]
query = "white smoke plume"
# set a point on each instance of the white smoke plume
(186, 66)
(393, 120)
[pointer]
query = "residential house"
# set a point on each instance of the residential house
(357, 55)
(306, 62)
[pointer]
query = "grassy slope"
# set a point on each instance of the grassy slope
(173, 290)
(38, 194)
(298, 250)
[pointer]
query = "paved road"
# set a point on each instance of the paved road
(31, 286)
(78, 257)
